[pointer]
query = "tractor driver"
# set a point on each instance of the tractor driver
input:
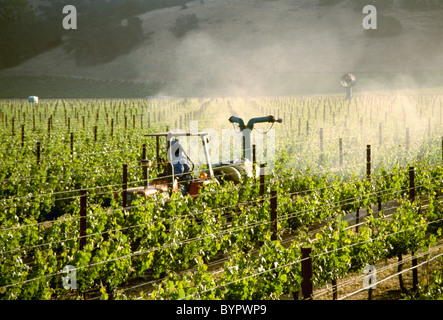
(181, 166)
(180, 161)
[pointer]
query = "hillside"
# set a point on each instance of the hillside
(254, 47)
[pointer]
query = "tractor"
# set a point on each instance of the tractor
(167, 181)
(194, 179)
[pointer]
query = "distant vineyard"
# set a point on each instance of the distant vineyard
(13, 86)
(62, 164)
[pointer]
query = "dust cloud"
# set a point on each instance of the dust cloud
(260, 48)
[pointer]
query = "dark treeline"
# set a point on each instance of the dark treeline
(106, 29)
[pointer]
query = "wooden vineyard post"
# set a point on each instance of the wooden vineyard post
(412, 198)
(262, 182)
(49, 127)
(426, 271)
(414, 274)
(321, 147)
(273, 215)
(254, 161)
(369, 279)
(411, 184)
(83, 199)
(125, 184)
(145, 169)
(368, 161)
(23, 135)
(38, 152)
(95, 134)
(72, 144)
(306, 273)
(340, 151)
(334, 289)
(157, 152)
(299, 126)
(112, 127)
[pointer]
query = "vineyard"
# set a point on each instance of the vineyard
(356, 182)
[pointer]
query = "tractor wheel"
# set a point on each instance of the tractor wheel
(227, 173)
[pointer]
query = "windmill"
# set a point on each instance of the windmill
(348, 80)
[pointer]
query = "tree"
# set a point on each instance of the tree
(23, 34)
(100, 38)
(184, 24)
